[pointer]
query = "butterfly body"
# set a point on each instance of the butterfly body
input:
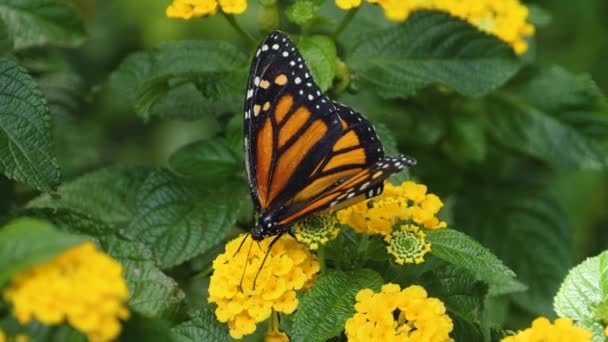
(304, 153)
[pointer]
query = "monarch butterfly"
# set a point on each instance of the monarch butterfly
(304, 153)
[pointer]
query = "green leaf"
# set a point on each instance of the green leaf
(202, 327)
(42, 22)
(325, 307)
(321, 55)
(148, 80)
(77, 141)
(141, 328)
(179, 221)
(458, 289)
(152, 293)
(459, 249)
(526, 229)
(206, 159)
(25, 138)
(464, 297)
(547, 118)
(114, 191)
(432, 48)
(25, 242)
(582, 293)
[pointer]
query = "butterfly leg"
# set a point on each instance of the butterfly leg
(241, 245)
(265, 257)
(245, 266)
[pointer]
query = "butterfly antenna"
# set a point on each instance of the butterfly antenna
(265, 257)
(245, 267)
(241, 245)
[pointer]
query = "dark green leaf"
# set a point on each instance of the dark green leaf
(114, 192)
(42, 22)
(547, 118)
(6, 43)
(179, 221)
(432, 48)
(459, 249)
(149, 80)
(206, 159)
(26, 242)
(324, 308)
(459, 290)
(153, 293)
(320, 55)
(202, 327)
(583, 290)
(77, 141)
(526, 229)
(25, 133)
(140, 328)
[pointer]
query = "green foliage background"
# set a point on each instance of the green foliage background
(134, 119)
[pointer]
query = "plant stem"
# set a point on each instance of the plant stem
(321, 254)
(345, 21)
(238, 28)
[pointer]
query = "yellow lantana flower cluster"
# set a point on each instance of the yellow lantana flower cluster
(82, 286)
(506, 19)
(317, 230)
(406, 202)
(418, 318)
(407, 205)
(187, 9)
(288, 268)
(543, 331)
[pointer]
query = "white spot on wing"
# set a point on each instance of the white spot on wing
(275, 47)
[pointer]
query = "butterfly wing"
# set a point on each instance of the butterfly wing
(354, 170)
(290, 125)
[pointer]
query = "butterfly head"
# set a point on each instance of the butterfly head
(265, 227)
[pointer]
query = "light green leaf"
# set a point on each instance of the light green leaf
(42, 22)
(107, 195)
(146, 79)
(547, 118)
(25, 138)
(517, 216)
(325, 307)
(459, 249)
(582, 292)
(202, 327)
(432, 48)
(179, 221)
(206, 159)
(25, 242)
(320, 55)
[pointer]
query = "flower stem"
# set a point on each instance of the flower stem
(345, 21)
(321, 254)
(238, 28)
